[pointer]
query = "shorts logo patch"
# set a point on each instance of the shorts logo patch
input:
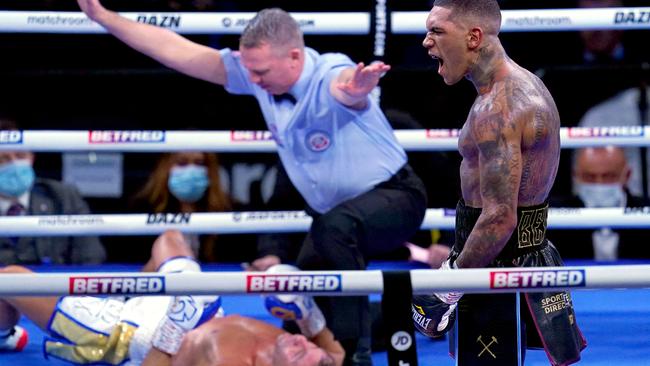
(486, 346)
(531, 229)
(556, 302)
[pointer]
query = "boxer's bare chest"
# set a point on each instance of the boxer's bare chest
(469, 168)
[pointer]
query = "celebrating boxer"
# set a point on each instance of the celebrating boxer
(510, 146)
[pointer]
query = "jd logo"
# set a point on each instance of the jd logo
(401, 340)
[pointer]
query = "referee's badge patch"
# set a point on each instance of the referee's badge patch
(318, 141)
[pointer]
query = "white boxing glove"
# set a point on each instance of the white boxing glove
(185, 313)
(299, 308)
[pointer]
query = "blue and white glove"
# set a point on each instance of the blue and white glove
(434, 315)
(299, 308)
(184, 314)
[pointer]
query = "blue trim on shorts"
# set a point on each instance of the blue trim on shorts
(56, 307)
(128, 322)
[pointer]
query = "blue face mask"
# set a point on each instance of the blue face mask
(188, 183)
(16, 178)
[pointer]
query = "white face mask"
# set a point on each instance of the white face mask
(601, 194)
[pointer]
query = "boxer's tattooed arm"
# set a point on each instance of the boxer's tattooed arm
(497, 136)
(543, 148)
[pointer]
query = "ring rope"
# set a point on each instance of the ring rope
(544, 20)
(258, 222)
(181, 22)
(262, 141)
(405, 22)
(330, 283)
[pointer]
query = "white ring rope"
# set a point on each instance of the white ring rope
(137, 141)
(328, 23)
(543, 20)
(261, 141)
(330, 283)
(184, 23)
(258, 222)
(154, 224)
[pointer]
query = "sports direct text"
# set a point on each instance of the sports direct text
(293, 283)
(117, 285)
(534, 279)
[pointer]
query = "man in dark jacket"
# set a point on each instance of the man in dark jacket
(600, 176)
(21, 193)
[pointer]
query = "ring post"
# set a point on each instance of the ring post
(396, 310)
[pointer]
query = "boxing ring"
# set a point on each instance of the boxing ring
(616, 323)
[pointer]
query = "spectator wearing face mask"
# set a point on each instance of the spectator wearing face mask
(600, 177)
(188, 182)
(628, 108)
(23, 193)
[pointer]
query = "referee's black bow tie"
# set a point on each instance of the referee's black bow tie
(286, 96)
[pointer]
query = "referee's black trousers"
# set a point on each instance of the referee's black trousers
(376, 222)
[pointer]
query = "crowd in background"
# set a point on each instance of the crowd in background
(598, 78)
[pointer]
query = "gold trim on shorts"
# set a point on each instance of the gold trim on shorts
(89, 346)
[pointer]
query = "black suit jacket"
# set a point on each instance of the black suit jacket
(50, 197)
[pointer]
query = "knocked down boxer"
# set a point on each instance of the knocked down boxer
(166, 330)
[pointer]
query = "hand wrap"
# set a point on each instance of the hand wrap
(185, 313)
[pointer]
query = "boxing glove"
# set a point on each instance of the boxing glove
(433, 315)
(299, 308)
(184, 314)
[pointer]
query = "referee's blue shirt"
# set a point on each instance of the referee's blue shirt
(332, 153)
